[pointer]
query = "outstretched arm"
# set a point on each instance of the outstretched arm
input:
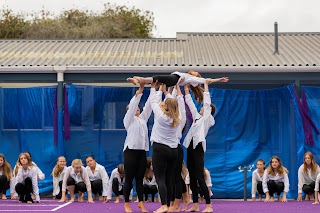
(215, 80)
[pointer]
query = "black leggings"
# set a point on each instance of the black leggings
(24, 190)
(96, 187)
(135, 163)
(309, 189)
(259, 188)
(4, 184)
(164, 161)
(195, 162)
(58, 196)
(168, 80)
(149, 190)
(115, 187)
(79, 187)
(275, 187)
(177, 178)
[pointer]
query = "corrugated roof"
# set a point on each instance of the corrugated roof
(188, 49)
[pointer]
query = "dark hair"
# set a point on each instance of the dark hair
(90, 156)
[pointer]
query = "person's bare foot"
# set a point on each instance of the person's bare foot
(194, 208)
(127, 207)
(271, 199)
(100, 198)
(174, 209)
(142, 207)
(72, 199)
(80, 197)
(279, 198)
(186, 204)
(117, 200)
(3, 197)
(132, 80)
(208, 208)
(162, 209)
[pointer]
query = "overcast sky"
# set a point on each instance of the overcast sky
(173, 16)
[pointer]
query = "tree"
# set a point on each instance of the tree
(113, 22)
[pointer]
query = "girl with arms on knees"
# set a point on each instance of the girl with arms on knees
(98, 177)
(5, 176)
(58, 173)
(307, 175)
(149, 182)
(26, 180)
(195, 142)
(192, 77)
(135, 147)
(275, 180)
(164, 139)
(76, 180)
(116, 183)
(257, 180)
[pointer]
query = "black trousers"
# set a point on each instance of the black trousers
(259, 188)
(4, 184)
(274, 187)
(153, 190)
(24, 189)
(135, 163)
(58, 196)
(164, 161)
(96, 187)
(115, 187)
(177, 178)
(308, 189)
(195, 162)
(168, 80)
(79, 187)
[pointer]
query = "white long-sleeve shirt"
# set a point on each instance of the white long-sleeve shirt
(306, 178)
(186, 78)
(99, 174)
(115, 174)
(136, 126)
(31, 173)
(255, 178)
(201, 124)
(56, 180)
(277, 178)
(79, 177)
(162, 131)
(316, 188)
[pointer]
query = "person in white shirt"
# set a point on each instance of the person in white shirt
(26, 179)
(116, 183)
(191, 77)
(257, 180)
(164, 139)
(195, 142)
(76, 179)
(135, 147)
(98, 177)
(307, 175)
(316, 190)
(179, 188)
(40, 174)
(149, 182)
(58, 173)
(5, 176)
(275, 180)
